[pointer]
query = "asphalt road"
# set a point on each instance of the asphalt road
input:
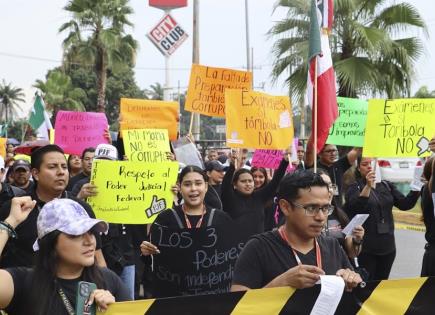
(410, 249)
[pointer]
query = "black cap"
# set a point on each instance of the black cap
(21, 164)
(214, 166)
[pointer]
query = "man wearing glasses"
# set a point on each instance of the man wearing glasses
(296, 254)
(336, 167)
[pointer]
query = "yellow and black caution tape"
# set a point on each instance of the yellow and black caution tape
(411, 227)
(404, 296)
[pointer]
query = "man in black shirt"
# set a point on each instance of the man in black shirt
(87, 158)
(21, 175)
(296, 254)
(336, 167)
(49, 170)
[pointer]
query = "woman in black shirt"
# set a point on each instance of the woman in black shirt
(427, 208)
(193, 213)
(66, 244)
(379, 250)
(244, 203)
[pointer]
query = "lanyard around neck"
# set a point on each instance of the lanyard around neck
(283, 235)
(186, 218)
(66, 302)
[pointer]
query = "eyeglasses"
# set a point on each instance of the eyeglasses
(332, 151)
(314, 210)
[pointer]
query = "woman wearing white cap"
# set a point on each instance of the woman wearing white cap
(66, 244)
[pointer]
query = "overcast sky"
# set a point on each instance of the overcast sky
(30, 43)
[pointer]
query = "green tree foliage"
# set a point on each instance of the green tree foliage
(10, 97)
(373, 53)
(59, 93)
(97, 37)
(424, 92)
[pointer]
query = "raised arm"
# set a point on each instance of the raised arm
(20, 209)
(403, 202)
(269, 190)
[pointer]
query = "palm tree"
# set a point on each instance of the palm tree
(370, 54)
(9, 98)
(424, 92)
(59, 93)
(155, 92)
(97, 38)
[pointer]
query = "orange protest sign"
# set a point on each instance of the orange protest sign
(258, 120)
(150, 114)
(3, 147)
(206, 92)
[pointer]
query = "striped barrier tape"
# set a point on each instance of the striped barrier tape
(404, 296)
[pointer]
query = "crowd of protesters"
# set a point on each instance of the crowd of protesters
(292, 220)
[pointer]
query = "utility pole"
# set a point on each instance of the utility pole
(248, 48)
(196, 125)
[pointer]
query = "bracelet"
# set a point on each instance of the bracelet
(11, 231)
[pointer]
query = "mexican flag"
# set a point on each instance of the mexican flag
(39, 120)
(320, 54)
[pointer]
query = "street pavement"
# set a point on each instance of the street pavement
(410, 249)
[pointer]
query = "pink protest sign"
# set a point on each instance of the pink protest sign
(76, 131)
(272, 158)
(267, 158)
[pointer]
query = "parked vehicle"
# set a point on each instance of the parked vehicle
(398, 170)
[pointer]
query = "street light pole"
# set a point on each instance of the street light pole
(196, 124)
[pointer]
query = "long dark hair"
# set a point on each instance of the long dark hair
(262, 170)
(192, 169)
(44, 284)
(239, 172)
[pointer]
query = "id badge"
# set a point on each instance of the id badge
(383, 227)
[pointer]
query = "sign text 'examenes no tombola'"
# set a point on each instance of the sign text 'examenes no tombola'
(132, 192)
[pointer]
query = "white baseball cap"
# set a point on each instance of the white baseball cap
(106, 151)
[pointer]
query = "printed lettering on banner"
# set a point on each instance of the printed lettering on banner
(399, 128)
(76, 131)
(146, 145)
(206, 92)
(349, 128)
(150, 114)
(258, 120)
(132, 192)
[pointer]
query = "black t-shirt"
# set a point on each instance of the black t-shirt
(73, 180)
(213, 197)
(427, 207)
(267, 255)
(336, 172)
(167, 218)
(19, 252)
(22, 278)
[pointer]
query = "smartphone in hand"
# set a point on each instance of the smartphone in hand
(84, 290)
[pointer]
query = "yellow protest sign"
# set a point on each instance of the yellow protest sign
(132, 192)
(139, 114)
(3, 147)
(399, 128)
(258, 120)
(206, 92)
(146, 145)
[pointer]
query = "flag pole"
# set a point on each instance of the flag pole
(191, 124)
(315, 115)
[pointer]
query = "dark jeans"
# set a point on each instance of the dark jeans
(378, 266)
(428, 265)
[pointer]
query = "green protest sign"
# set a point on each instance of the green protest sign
(349, 128)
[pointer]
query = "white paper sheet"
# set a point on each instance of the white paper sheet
(416, 183)
(331, 290)
(359, 219)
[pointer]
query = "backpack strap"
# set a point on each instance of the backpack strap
(210, 218)
(177, 218)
